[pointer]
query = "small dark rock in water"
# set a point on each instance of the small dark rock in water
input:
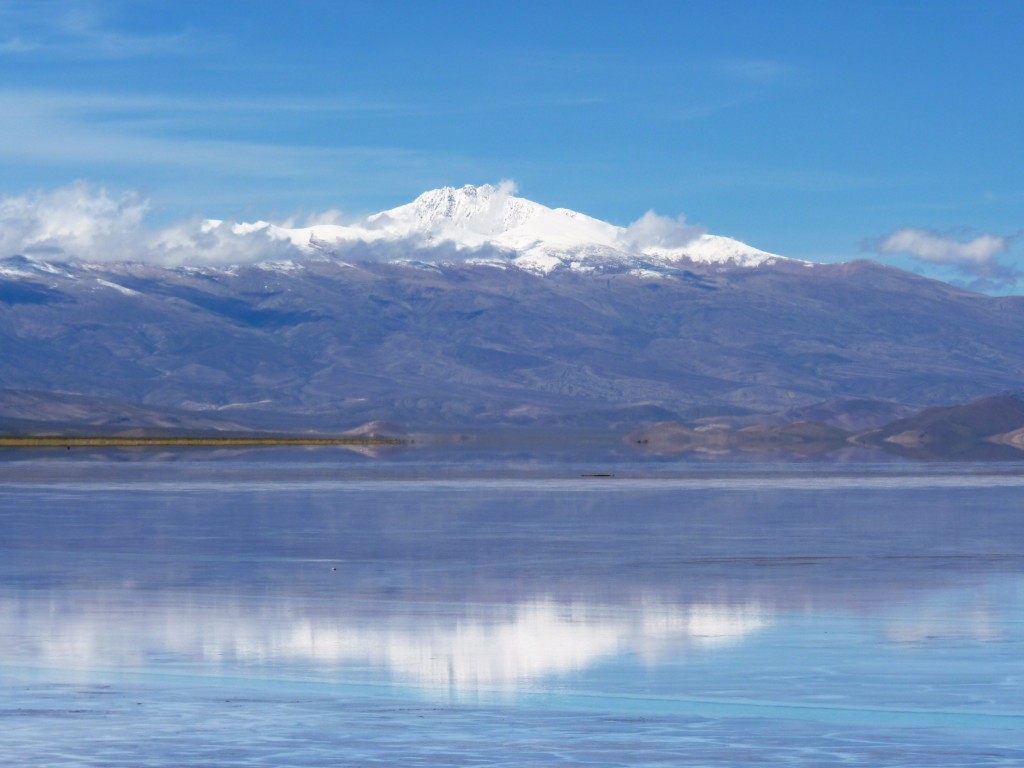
(334, 569)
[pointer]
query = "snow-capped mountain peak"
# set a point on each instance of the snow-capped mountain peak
(491, 223)
(485, 210)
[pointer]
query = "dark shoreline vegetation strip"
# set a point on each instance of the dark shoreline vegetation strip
(58, 441)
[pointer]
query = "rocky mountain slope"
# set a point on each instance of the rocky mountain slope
(441, 330)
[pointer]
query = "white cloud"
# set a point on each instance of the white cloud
(86, 222)
(67, 221)
(938, 249)
(661, 232)
(975, 258)
(331, 216)
(507, 188)
(201, 241)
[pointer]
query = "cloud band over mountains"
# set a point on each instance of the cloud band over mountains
(85, 222)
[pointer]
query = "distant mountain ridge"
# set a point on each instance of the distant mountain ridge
(628, 326)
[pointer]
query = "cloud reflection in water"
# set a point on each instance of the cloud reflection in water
(502, 647)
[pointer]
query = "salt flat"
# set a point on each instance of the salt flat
(302, 613)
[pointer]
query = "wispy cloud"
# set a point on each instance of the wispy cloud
(756, 71)
(974, 257)
(746, 82)
(98, 107)
(79, 30)
(688, 113)
(803, 180)
(16, 45)
(96, 134)
(693, 89)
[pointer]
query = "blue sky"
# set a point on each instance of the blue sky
(820, 130)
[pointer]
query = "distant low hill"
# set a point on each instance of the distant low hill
(988, 429)
(26, 413)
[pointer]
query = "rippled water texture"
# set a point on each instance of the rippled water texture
(243, 613)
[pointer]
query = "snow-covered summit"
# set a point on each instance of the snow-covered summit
(490, 223)
(484, 210)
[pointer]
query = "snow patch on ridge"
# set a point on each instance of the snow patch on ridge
(119, 288)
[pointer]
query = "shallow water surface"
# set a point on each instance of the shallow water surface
(249, 614)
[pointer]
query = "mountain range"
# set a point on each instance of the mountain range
(475, 308)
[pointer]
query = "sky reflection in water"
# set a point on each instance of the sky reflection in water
(761, 606)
